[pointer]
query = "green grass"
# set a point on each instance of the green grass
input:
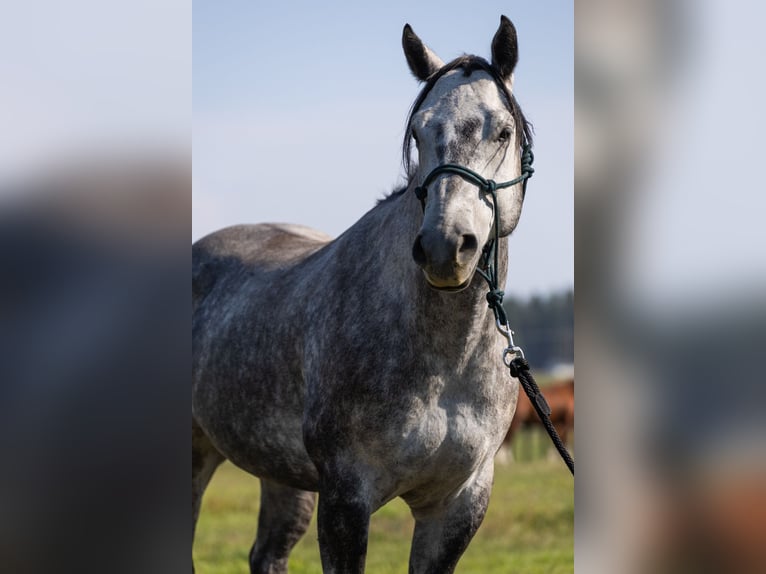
(528, 528)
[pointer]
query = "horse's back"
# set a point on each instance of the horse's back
(261, 247)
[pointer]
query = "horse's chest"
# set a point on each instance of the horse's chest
(415, 428)
(456, 435)
(455, 432)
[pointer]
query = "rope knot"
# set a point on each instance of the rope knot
(495, 298)
(491, 186)
(527, 159)
(517, 365)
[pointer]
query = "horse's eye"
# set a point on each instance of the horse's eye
(504, 135)
(414, 136)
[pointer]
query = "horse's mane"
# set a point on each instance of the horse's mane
(468, 64)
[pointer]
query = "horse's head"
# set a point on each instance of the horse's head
(465, 115)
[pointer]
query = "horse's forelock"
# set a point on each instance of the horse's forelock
(468, 64)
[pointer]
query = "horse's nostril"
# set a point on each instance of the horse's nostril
(418, 254)
(468, 244)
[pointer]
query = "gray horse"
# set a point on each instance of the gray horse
(369, 367)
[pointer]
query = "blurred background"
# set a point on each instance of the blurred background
(670, 272)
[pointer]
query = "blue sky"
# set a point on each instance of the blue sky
(299, 113)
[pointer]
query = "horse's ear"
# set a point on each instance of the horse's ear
(422, 61)
(505, 49)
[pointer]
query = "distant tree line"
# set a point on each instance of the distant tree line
(543, 327)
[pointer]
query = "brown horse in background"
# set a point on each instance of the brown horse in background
(560, 397)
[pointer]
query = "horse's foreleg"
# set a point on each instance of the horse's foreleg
(284, 516)
(343, 519)
(442, 533)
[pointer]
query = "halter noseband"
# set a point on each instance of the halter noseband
(486, 185)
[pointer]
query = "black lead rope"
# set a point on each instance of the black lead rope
(518, 365)
(520, 369)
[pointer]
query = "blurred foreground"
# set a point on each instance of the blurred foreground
(94, 300)
(670, 318)
(95, 204)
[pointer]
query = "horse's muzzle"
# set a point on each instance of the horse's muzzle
(447, 261)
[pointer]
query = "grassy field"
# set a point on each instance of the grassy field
(528, 528)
